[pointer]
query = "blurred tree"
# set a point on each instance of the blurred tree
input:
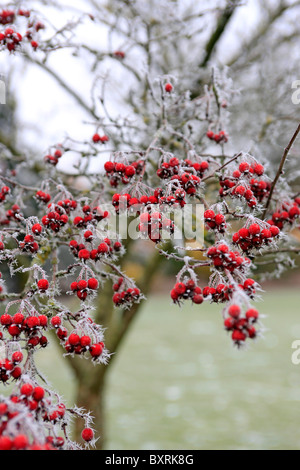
(246, 54)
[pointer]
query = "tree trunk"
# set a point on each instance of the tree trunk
(91, 398)
(91, 379)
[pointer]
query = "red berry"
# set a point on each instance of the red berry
(180, 288)
(55, 321)
(84, 254)
(109, 166)
(254, 229)
(274, 231)
(85, 341)
(43, 284)
(5, 319)
(197, 299)
(219, 219)
(62, 333)
(36, 229)
(74, 339)
(20, 442)
(258, 169)
(252, 314)
(102, 248)
(26, 389)
(74, 286)
(96, 350)
(43, 320)
(96, 138)
(168, 87)
(238, 336)
(38, 393)
(34, 44)
(87, 434)
(5, 443)
(244, 167)
(93, 283)
(82, 284)
(209, 214)
(234, 311)
(17, 357)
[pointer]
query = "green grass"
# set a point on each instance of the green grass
(178, 383)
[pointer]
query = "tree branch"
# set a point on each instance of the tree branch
(280, 169)
(218, 32)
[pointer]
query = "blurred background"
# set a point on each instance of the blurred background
(177, 382)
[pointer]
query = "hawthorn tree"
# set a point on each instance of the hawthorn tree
(171, 154)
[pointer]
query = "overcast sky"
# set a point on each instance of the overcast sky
(46, 113)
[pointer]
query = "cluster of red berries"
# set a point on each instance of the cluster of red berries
(91, 215)
(223, 293)
(53, 159)
(84, 287)
(68, 205)
(124, 296)
(80, 344)
(10, 367)
(287, 215)
(5, 190)
(119, 172)
(260, 188)
(219, 137)
(31, 326)
(187, 290)
(122, 202)
(219, 294)
(175, 199)
(180, 171)
(100, 138)
(225, 259)
(200, 168)
(56, 218)
(155, 226)
(254, 237)
(33, 28)
(11, 39)
(77, 343)
(7, 17)
(107, 247)
(29, 244)
(28, 408)
(240, 184)
(14, 213)
(214, 221)
(240, 191)
(240, 325)
(42, 196)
